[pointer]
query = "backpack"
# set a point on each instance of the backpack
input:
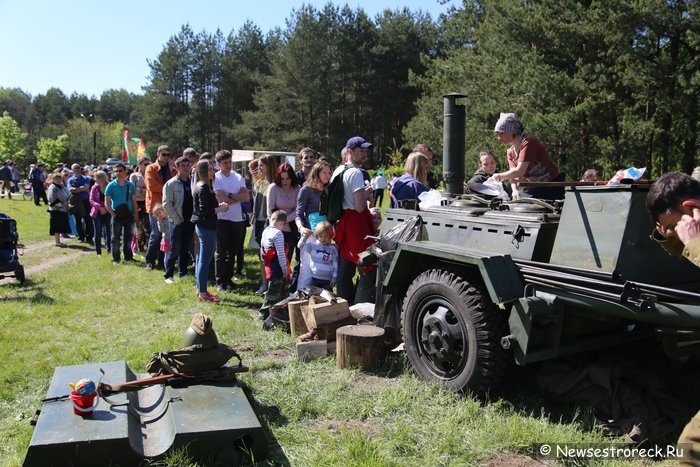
(332, 197)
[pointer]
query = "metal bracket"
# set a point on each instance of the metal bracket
(518, 236)
(632, 293)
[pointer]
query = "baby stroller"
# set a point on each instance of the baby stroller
(9, 256)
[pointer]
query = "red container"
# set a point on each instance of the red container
(84, 405)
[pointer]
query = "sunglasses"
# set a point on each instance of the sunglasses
(120, 170)
(165, 154)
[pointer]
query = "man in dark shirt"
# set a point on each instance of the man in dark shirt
(79, 186)
(5, 180)
(307, 159)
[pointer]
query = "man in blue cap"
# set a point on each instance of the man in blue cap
(354, 225)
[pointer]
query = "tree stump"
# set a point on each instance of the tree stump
(297, 325)
(359, 346)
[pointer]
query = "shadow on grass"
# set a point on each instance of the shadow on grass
(249, 302)
(269, 415)
(627, 368)
(78, 247)
(30, 291)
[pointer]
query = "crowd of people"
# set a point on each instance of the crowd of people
(190, 214)
(193, 211)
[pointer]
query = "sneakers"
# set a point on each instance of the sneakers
(169, 280)
(225, 286)
(208, 297)
(261, 290)
(237, 277)
(149, 266)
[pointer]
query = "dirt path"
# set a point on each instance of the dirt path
(49, 262)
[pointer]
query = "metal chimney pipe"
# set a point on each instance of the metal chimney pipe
(453, 145)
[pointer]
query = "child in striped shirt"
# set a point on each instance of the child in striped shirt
(322, 256)
(273, 254)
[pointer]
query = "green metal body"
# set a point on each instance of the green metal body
(214, 422)
(601, 234)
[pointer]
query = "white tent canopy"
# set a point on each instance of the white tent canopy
(246, 155)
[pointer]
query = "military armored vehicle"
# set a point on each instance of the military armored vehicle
(530, 280)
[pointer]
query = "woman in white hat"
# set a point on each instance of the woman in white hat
(528, 161)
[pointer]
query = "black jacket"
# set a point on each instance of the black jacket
(204, 204)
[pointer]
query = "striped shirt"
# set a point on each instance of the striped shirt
(273, 238)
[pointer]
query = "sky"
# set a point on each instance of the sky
(88, 46)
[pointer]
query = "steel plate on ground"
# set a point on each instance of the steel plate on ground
(210, 420)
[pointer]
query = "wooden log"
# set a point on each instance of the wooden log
(328, 330)
(297, 325)
(316, 314)
(359, 346)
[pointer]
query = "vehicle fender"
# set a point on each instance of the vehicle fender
(500, 274)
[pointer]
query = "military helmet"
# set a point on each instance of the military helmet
(201, 332)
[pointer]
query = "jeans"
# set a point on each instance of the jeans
(118, 227)
(101, 224)
(291, 239)
(83, 221)
(321, 283)
(378, 197)
(345, 287)
(153, 251)
(39, 193)
(366, 283)
(180, 249)
(207, 244)
(229, 249)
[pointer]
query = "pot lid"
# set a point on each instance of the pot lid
(482, 189)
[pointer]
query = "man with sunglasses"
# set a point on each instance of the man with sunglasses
(674, 205)
(79, 187)
(177, 202)
(156, 175)
(118, 193)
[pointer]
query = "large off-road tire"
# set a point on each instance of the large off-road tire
(452, 331)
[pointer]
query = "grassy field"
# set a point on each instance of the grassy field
(87, 310)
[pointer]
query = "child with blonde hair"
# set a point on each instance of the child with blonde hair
(164, 226)
(322, 255)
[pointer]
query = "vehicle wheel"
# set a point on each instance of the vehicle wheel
(452, 331)
(19, 274)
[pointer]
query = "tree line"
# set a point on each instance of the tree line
(603, 84)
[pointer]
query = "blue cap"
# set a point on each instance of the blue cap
(358, 142)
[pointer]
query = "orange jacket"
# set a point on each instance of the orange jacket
(154, 185)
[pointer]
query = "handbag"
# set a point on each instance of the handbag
(122, 211)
